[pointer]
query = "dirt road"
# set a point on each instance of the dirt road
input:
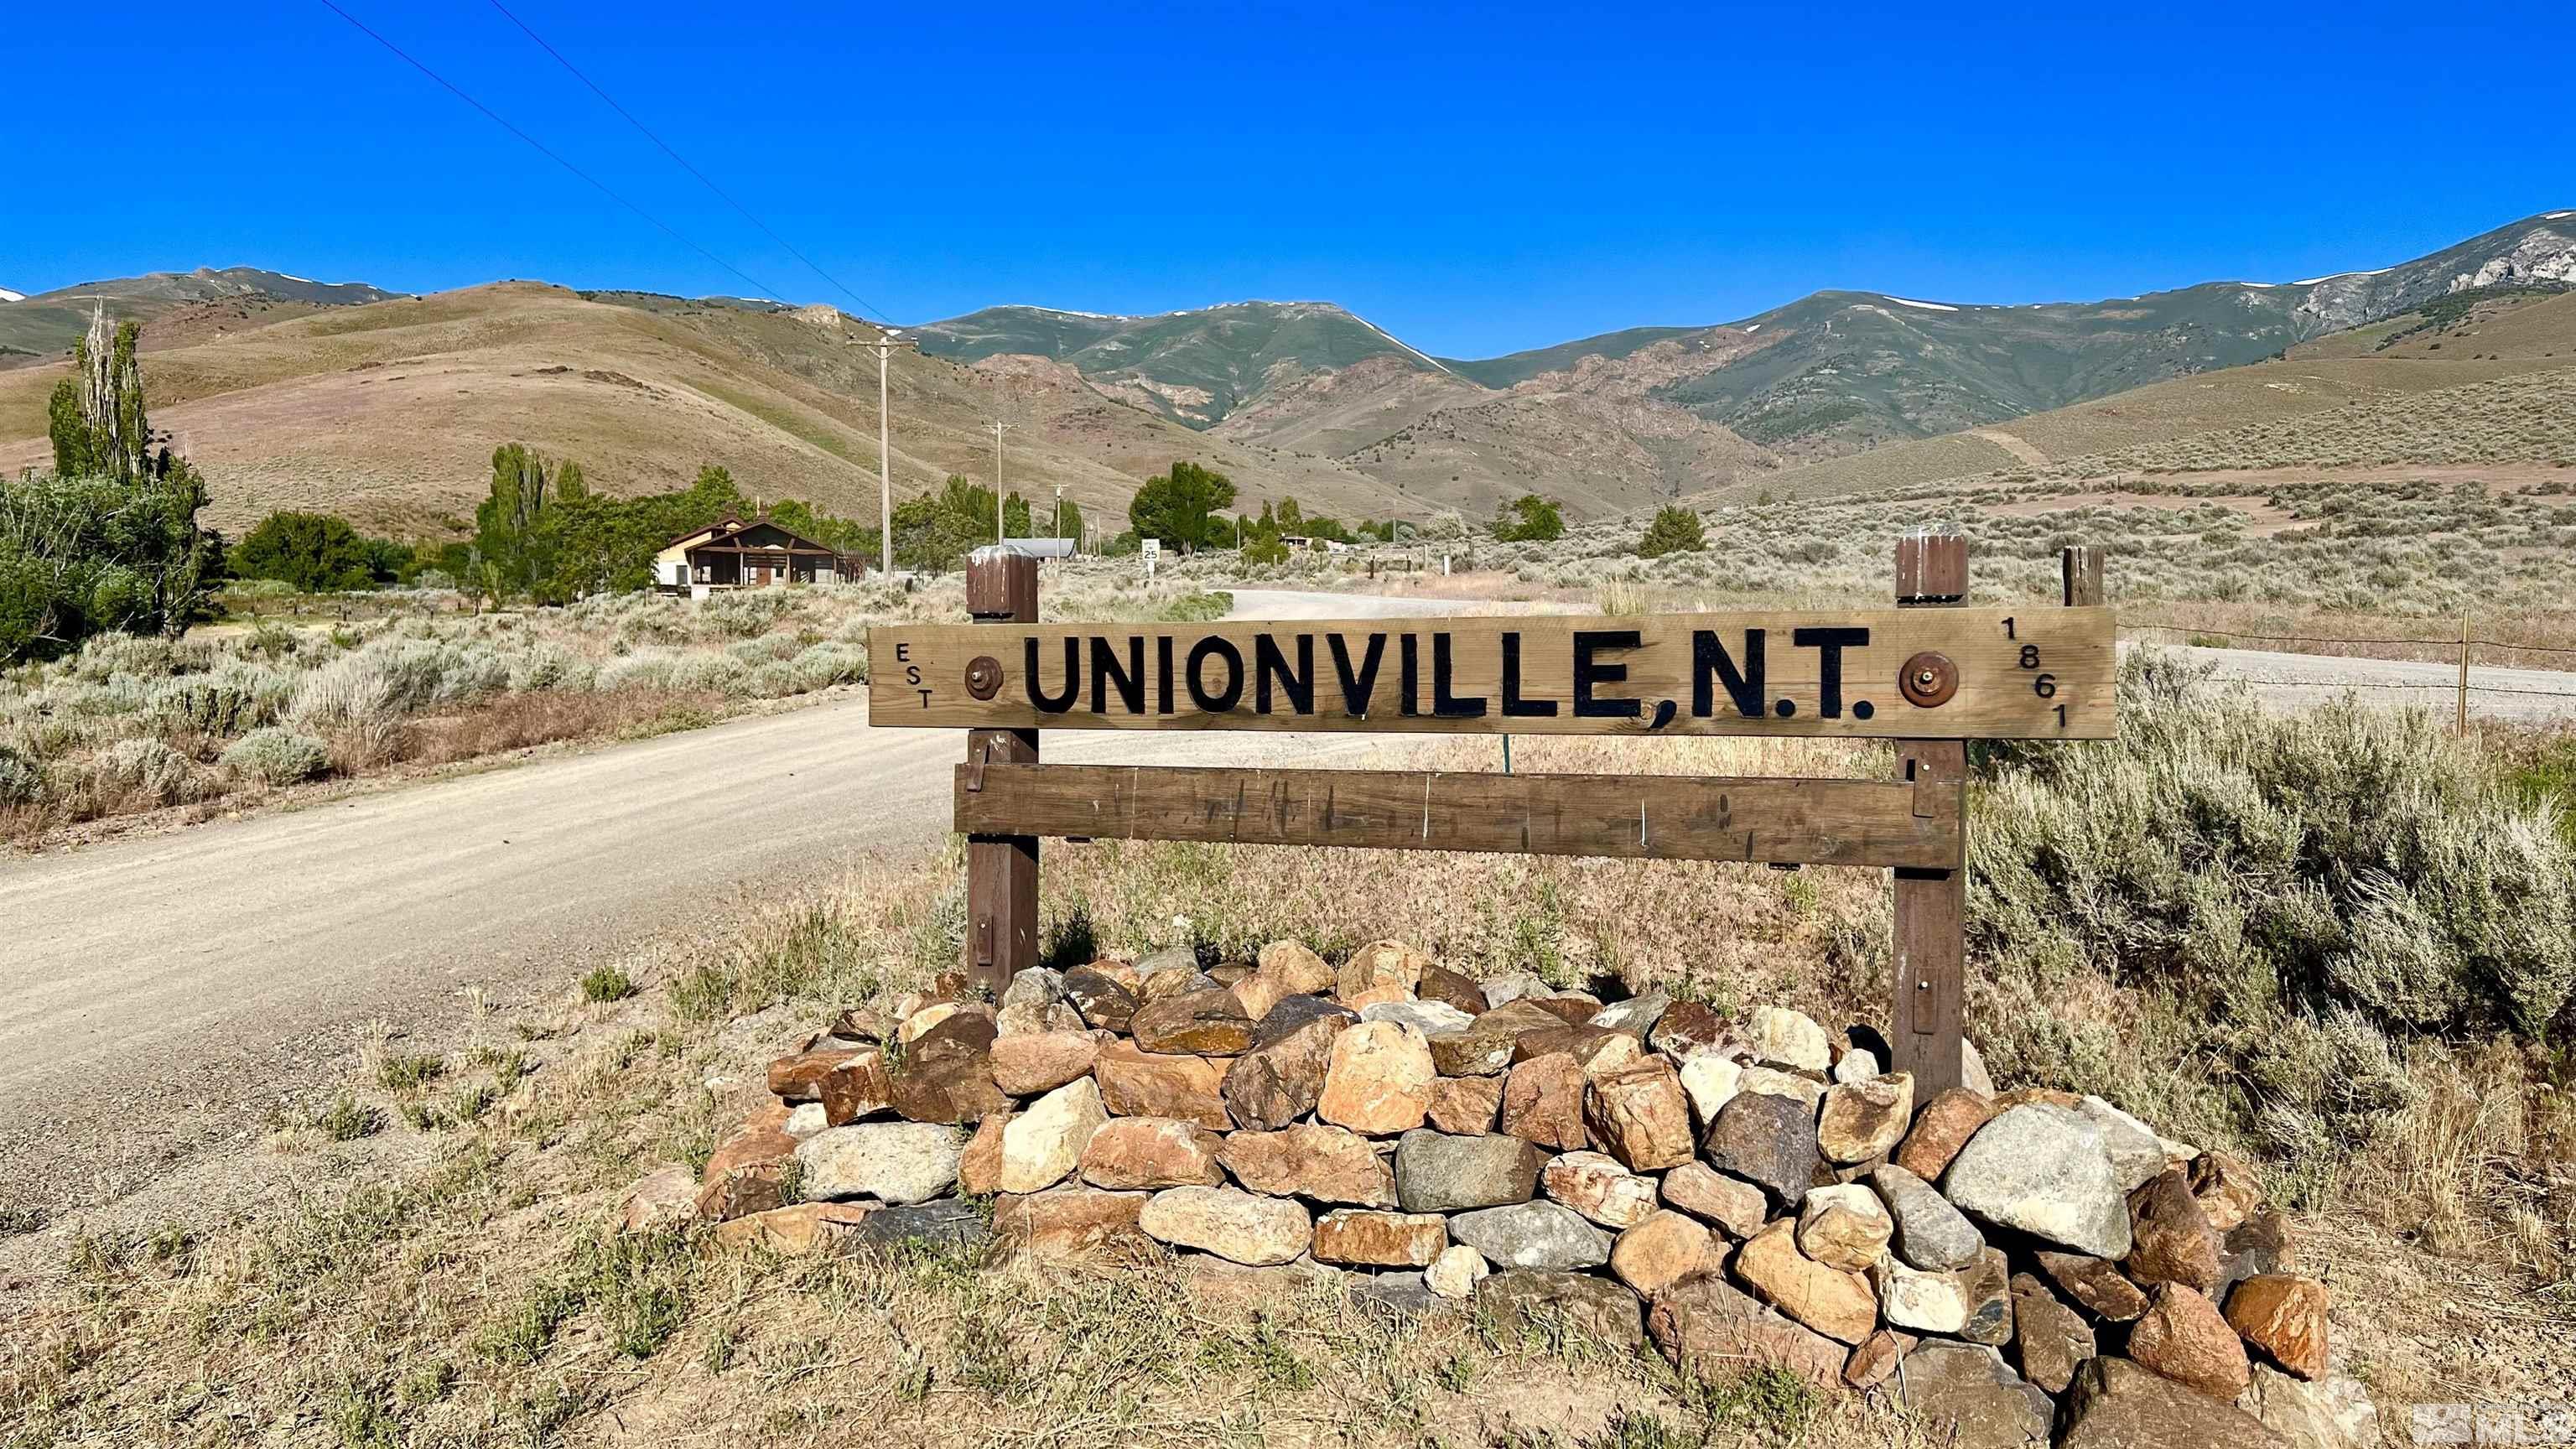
(2297, 681)
(158, 996)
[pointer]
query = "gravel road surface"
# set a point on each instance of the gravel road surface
(160, 995)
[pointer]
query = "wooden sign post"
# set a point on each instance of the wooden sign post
(1931, 674)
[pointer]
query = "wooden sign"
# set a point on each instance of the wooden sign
(1629, 817)
(2039, 673)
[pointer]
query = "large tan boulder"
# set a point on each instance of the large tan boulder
(1465, 1105)
(1862, 1120)
(1833, 1302)
(1281, 1076)
(1943, 1127)
(1712, 1330)
(1138, 1083)
(1597, 1186)
(2285, 1317)
(1378, 967)
(1328, 1164)
(1235, 1225)
(1844, 1226)
(1379, 1080)
(799, 1077)
(1041, 1061)
(1662, 1249)
(2183, 1337)
(1543, 1102)
(1042, 1144)
(1151, 1153)
(1639, 1115)
(1072, 1223)
(1360, 1237)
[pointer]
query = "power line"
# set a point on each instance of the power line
(683, 163)
(759, 288)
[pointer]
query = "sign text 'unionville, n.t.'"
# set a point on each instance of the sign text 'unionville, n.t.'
(1899, 673)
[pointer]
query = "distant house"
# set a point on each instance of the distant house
(738, 555)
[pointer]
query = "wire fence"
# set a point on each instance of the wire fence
(2458, 652)
(2198, 632)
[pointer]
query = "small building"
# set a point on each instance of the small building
(738, 555)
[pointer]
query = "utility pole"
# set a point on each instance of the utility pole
(884, 347)
(1059, 510)
(1000, 534)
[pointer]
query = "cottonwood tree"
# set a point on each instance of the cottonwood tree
(1529, 519)
(1180, 507)
(109, 540)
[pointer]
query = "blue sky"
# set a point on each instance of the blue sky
(1474, 179)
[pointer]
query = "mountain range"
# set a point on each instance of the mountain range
(267, 377)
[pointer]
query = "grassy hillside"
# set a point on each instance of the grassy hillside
(389, 412)
(1194, 367)
(2482, 376)
(46, 324)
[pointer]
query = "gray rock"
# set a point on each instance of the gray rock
(1292, 1012)
(1425, 1017)
(1037, 986)
(1404, 1291)
(1770, 1142)
(2136, 1152)
(896, 1162)
(1170, 958)
(1596, 1306)
(2335, 1414)
(1930, 1234)
(2116, 1404)
(2259, 1245)
(1533, 1235)
(1786, 1038)
(1102, 1002)
(947, 1223)
(1969, 1398)
(1438, 1173)
(1860, 1064)
(1972, 1071)
(1637, 1014)
(1512, 986)
(2042, 1169)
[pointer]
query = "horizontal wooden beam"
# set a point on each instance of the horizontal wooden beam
(2035, 673)
(1650, 817)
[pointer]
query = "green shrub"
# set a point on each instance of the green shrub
(606, 983)
(2296, 897)
(276, 756)
(22, 780)
(144, 767)
(347, 1119)
(1200, 607)
(1675, 530)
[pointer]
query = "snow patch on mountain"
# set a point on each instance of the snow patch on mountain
(8, 296)
(1926, 306)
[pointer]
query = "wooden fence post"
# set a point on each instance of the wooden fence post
(2462, 728)
(1001, 870)
(1926, 1034)
(2080, 566)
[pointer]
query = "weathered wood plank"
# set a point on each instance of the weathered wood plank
(1001, 865)
(1656, 817)
(2030, 673)
(1927, 1015)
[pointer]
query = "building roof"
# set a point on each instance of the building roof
(731, 527)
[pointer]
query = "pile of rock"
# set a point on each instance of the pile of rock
(2014, 1266)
